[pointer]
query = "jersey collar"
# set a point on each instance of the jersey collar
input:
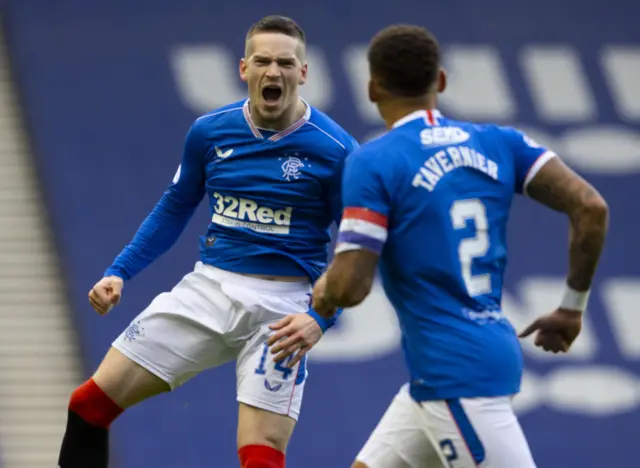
(277, 136)
(430, 117)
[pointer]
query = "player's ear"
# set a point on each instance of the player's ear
(303, 74)
(374, 91)
(442, 80)
(243, 70)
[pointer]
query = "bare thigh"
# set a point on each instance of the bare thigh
(261, 427)
(125, 381)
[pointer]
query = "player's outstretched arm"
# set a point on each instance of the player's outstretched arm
(346, 283)
(556, 186)
(163, 226)
(350, 277)
(560, 188)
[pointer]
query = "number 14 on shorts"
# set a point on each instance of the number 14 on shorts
(280, 367)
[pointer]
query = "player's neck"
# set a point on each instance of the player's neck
(286, 120)
(392, 111)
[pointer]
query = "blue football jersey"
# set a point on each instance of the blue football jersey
(273, 195)
(432, 196)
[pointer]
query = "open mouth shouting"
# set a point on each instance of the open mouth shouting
(271, 94)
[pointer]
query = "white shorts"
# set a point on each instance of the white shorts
(458, 433)
(212, 317)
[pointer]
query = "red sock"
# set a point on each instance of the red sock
(93, 405)
(260, 456)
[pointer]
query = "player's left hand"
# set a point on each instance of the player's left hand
(556, 331)
(297, 332)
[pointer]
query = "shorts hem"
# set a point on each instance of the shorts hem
(145, 363)
(369, 457)
(251, 401)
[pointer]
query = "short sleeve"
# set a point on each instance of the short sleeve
(528, 156)
(366, 205)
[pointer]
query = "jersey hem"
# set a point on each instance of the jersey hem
(421, 393)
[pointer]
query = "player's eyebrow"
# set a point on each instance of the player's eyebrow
(287, 60)
(282, 58)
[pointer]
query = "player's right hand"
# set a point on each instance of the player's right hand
(319, 302)
(556, 331)
(106, 294)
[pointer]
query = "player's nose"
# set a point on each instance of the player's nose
(273, 70)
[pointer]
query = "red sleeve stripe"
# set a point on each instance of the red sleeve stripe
(365, 214)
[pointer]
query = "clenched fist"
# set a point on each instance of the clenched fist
(106, 294)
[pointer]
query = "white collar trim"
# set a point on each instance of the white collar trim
(430, 117)
(292, 128)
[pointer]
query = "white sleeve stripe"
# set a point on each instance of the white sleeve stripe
(346, 247)
(543, 159)
(363, 227)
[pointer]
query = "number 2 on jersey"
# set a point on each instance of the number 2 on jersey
(470, 248)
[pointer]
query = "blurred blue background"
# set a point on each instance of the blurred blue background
(109, 89)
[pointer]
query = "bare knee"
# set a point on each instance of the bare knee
(125, 381)
(260, 427)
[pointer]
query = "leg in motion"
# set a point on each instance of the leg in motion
(399, 439)
(117, 384)
(262, 437)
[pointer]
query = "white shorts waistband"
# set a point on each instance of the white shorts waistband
(262, 285)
